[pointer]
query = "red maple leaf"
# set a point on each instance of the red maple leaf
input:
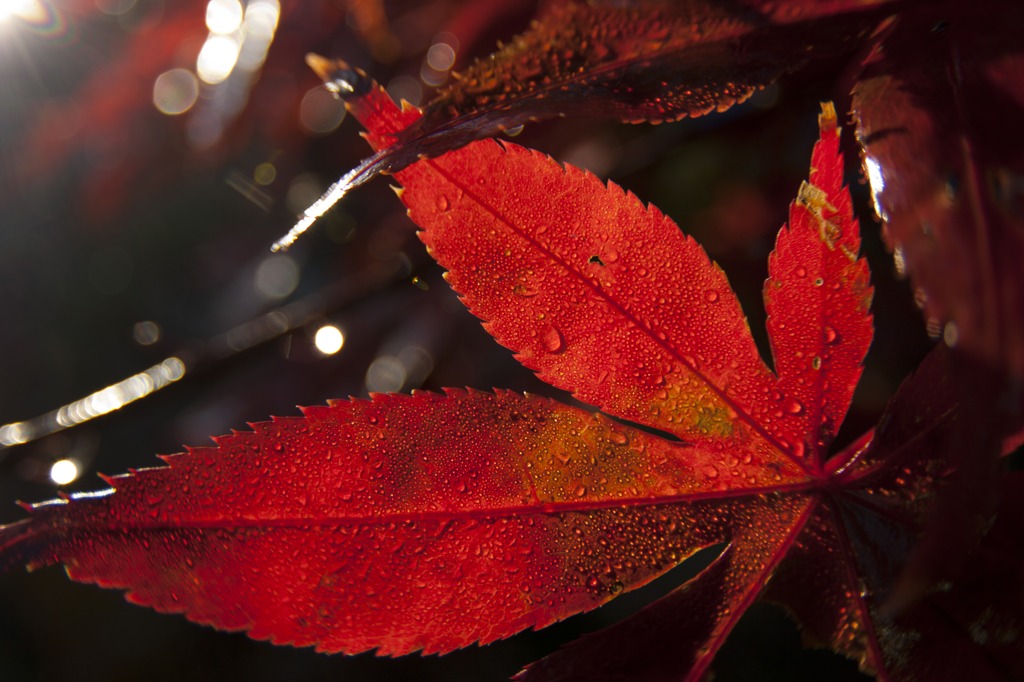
(938, 84)
(430, 522)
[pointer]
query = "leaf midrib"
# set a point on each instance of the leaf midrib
(616, 305)
(492, 514)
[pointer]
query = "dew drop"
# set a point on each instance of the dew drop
(618, 438)
(794, 407)
(711, 472)
(830, 335)
(801, 272)
(581, 491)
(816, 362)
(553, 340)
(443, 204)
(710, 296)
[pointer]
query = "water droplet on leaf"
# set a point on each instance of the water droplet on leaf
(553, 340)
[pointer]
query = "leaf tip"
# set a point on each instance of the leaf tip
(827, 119)
(338, 76)
(321, 65)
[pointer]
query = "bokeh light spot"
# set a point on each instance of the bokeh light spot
(217, 58)
(15, 434)
(320, 111)
(223, 16)
(277, 276)
(329, 339)
(441, 56)
(146, 333)
(64, 471)
(386, 374)
(261, 18)
(175, 91)
(264, 174)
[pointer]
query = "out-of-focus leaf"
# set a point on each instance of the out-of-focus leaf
(648, 61)
(970, 627)
(937, 111)
(653, 61)
(914, 524)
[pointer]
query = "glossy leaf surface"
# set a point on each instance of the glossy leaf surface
(429, 522)
(935, 108)
(405, 523)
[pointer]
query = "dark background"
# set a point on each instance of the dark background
(113, 214)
